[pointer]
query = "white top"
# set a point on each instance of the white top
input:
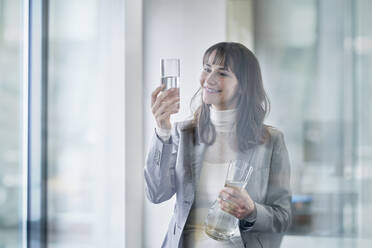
(212, 179)
(211, 182)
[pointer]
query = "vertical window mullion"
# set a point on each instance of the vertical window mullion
(25, 89)
(37, 115)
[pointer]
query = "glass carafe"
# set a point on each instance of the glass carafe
(219, 224)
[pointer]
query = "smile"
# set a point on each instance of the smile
(209, 90)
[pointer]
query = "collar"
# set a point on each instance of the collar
(223, 120)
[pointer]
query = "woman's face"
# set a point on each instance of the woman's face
(219, 85)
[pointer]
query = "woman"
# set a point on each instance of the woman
(190, 161)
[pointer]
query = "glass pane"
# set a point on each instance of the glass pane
(301, 48)
(315, 58)
(363, 77)
(11, 185)
(85, 124)
(316, 71)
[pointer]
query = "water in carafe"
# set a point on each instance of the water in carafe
(220, 225)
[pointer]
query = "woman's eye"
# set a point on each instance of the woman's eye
(223, 74)
(207, 69)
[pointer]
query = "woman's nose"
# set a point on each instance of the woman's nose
(211, 78)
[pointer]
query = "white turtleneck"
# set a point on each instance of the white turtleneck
(223, 120)
(224, 147)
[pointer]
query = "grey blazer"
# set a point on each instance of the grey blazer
(174, 168)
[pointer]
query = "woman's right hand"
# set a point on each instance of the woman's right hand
(163, 105)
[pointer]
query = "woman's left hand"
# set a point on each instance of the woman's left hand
(236, 202)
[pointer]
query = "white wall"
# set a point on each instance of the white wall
(182, 29)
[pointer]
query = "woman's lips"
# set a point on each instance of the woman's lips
(210, 90)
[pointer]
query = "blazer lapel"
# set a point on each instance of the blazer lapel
(248, 156)
(197, 163)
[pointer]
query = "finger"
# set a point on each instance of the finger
(230, 193)
(231, 190)
(171, 109)
(237, 212)
(242, 213)
(166, 115)
(239, 207)
(242, 204)
(225, 196)
(228, 210)
(155, 93)
(229, 204)
(239, 201)
(176, 91)
(225, 205)
(163, 116)
(228, 199)
(241, 196)
(170, 101)
(167, 107)
(162, 97)
(244, 192)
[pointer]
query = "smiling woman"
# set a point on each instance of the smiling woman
(192, 161)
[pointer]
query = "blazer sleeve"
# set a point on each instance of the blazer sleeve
(275, 214)
(159, 171)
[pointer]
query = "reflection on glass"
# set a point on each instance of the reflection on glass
(10, 131)
(316, 68)
(85, 199)
(303, 67)
(362, 95)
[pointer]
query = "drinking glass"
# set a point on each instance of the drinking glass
(219, 224)
(170, 73)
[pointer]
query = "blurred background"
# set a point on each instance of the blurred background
(75, 84)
